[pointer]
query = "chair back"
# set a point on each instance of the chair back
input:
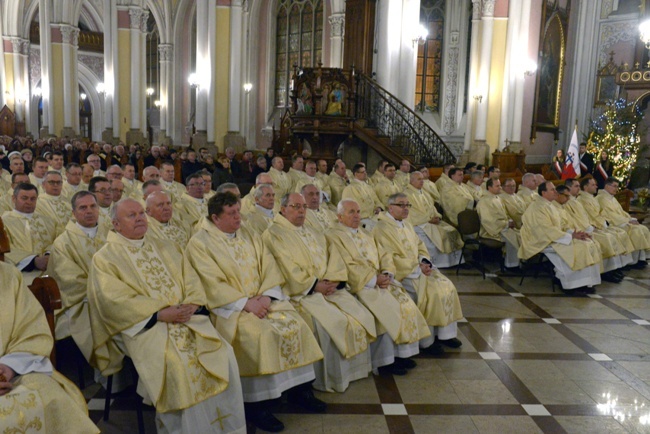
(468, 222)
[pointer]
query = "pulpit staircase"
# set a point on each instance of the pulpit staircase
(330, 105)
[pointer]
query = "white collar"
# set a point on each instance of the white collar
(135, 243)
(90, 232)
(23, 214)
(399, 223)
(267, 212)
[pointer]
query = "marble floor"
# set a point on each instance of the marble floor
(532, 361)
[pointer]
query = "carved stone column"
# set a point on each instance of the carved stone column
(165, 56)
(337, 32)
(70, 40)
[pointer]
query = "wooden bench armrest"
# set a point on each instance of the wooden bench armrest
(48, 295)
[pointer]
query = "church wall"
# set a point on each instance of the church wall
(9, 79)
(124, 80)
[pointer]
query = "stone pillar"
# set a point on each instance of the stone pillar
(44, 9)
(473, 74)
(518, 103)
(236, 91)
(165, 56)
(137, 96)
(111, 63)
(69, 42)
(20, 91)
(337, 34)
(203, 73)
(483, 88)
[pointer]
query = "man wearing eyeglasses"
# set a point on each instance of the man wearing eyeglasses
(410, 264)
(52, 204)
(191, 205)
(575, 256)
(101, 188)
(73, 181)
(362, 193)
(315, 282)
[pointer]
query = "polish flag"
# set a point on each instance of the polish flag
(572, 162)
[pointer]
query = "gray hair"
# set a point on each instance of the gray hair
(414, 174)
(527, 177)
(340, 208)
(52, 172)
(227, 186)
(260, 176)
(285, 200)
(477, 174)
(259, 192)
(302, 190)
(394, 197)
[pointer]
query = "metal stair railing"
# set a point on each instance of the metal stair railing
(409, 134)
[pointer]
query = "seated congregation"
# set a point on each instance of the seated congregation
(312, 280)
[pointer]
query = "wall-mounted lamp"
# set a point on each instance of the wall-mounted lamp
(157, 103)
(644, 33)
(530, 68)
(83, 96)
(478, 98)
(101, 88)
(37, 91)
(150, 91)
(193, 80)
(248, 87)
(420, 36)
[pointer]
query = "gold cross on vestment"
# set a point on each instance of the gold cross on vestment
(220, 418)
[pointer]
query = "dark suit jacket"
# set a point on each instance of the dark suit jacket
(588, 160)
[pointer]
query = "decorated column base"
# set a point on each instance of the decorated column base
(44, 133)
(135, 136)
(68, 132)
(107, 135)
(479, 152)
(234, 140)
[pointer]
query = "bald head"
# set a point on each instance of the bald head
(159, 206)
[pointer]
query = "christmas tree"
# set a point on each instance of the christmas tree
(616, 131)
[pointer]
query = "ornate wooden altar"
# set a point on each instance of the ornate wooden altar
(8, 124)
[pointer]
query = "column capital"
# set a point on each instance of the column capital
(19, 45)
(166, 52)
(135, 15)
(143, 21)
(488, 8)
(69, 34)
(337, 21)
(476, 9)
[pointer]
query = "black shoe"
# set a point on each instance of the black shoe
(609, 277)
(586, 290)
(557, 282)
(405, 363)
(303, 396)
(451, 343)
(640, 265)
(392, 369)
(435, 349)
(264, 420)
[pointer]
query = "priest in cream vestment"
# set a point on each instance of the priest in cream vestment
(191, 206)
(362, 193)
(400, 325)
(442, 240)
(616, 216)
(513, 203)
(495, 223)
(338, 180)
(275, 348)
(456, 197)
(261, 216)
(409, 262)
(30, 234)
(163, 223)
(444, 180)
(315, 281)
(147, 302)
(575, 256)
(319, 217)
(52, 204)
(34, 398)
(430, 187)
(281, 181)
(527, 190)
(69, 265)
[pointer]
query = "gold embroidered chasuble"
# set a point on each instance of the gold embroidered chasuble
(321, 183)
(494, 220)
(295, 176)
(444, 236)
(38, 403)
(527, 195)
(386, 188)
(597, 220)
(132, 188)
(179, 365)
(443, 183)
(337, 185)
(515, 207)
(542, 226)
(69, 190)
(477, 193)
(579, 220)
(431, 189)
(28, 235)
(456, 198)
(174, 230)
(257, 222)
(437, 298)
(281, 183)
(69, 265)
(190, 210)
(6, 204)
(304, 258)
(376, 178)
(55, 208)
(395, 313)
(321, 220)
(242, 267)
(616, 216)
(175, 189)
(364, 195)
(402, 179)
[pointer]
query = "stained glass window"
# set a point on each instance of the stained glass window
(298, 41)
(429, 65)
